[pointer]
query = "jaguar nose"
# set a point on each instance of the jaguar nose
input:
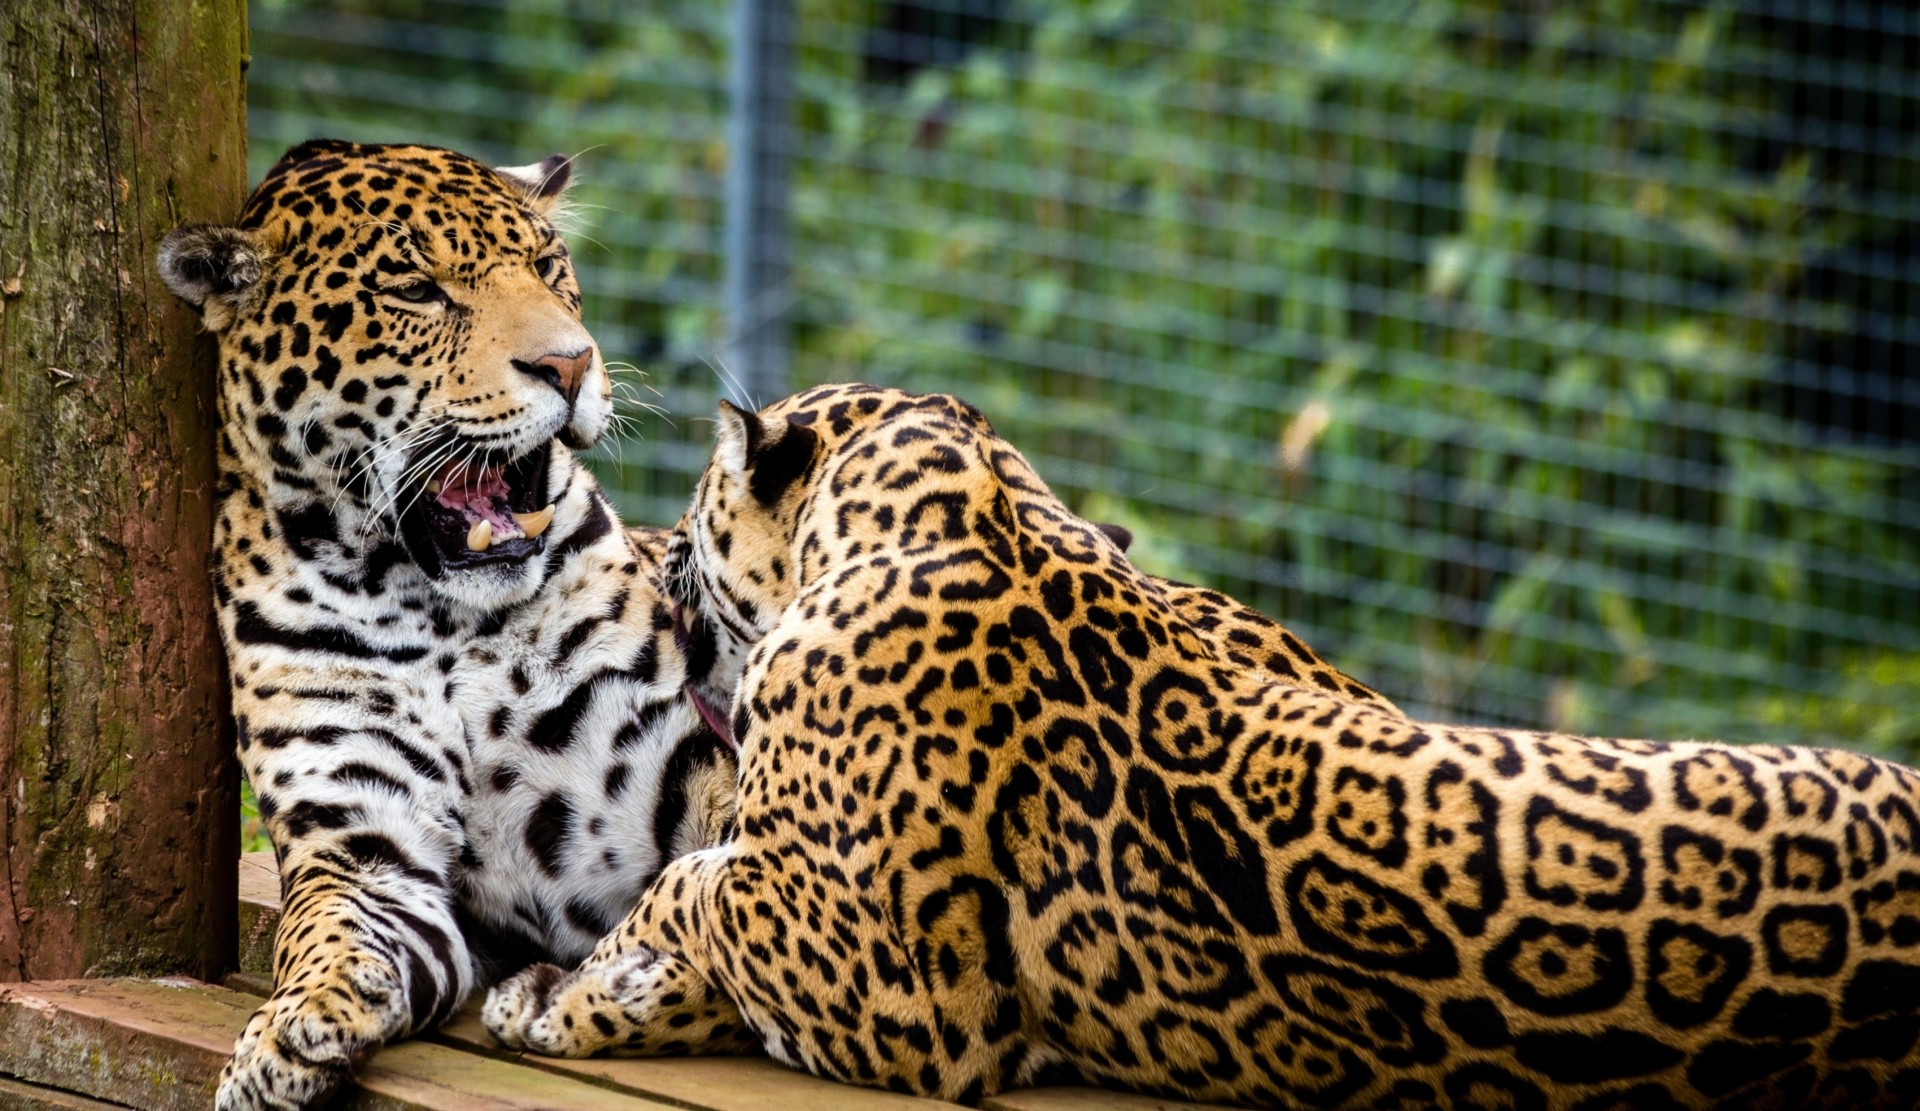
(562, 372)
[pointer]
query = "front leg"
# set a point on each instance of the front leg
(367, 949)
(636, 995)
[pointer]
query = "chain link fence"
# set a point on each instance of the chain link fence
(1545, 364)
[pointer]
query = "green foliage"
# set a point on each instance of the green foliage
(253, 833)
(1452, 335)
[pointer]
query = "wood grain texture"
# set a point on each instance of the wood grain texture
(159, 1045)
(18, 1096)
(118, 120)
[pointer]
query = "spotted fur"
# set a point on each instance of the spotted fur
(1008, 813)
(466, 761)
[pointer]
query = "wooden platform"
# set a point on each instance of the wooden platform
(157, 1045)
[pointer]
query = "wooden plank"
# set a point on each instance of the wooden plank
(709, 1083)
(16, 1095)
(259, 912)
(158, 1045)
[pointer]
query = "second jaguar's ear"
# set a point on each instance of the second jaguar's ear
(767, 453)
(542, 184)
(1122, 537)
(739, 433)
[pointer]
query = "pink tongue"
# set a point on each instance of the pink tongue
(477, 494)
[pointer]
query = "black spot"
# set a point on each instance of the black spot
(293, 382)
(326, 365)
(1881, 987)
(1883, 1039)
(251, 627)
(1477, 1021)
(1725, 1065)
(364, 774)
(587, 918)
(548, 830)
(1791, 1016)
(374, 849)
(777, 465)
(1056, 593)
(1227, 860)
(555, 729)
(303, 817)
(1568, 1057)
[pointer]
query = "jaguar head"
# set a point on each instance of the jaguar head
(400, 339)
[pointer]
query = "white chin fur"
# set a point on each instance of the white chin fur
(493, 585)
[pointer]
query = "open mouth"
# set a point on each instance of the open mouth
(475, 512)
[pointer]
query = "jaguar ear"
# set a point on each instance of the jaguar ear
(543, 184)
(767, 453)
(740, 433)
(215, 269)
(1121, 536)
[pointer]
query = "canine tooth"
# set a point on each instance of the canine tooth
(433, 487)
(533, 524)
(480, 536)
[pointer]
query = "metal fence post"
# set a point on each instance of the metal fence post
(757, 296)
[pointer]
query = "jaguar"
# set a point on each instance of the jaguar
(1007, 813)
(458, 687)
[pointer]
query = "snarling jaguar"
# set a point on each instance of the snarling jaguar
(459, 694)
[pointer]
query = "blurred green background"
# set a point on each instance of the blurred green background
(1544, 364)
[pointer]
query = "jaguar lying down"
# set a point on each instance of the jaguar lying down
(1006, 815)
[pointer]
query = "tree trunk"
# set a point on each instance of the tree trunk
(118, 120)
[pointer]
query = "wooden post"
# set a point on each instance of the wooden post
(118, 811)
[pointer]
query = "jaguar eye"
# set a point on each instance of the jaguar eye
(418, 292)
(546, 266)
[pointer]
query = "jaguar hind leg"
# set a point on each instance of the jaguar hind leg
(634, 1002)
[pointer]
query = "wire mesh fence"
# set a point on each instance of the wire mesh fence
(1543, 364)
